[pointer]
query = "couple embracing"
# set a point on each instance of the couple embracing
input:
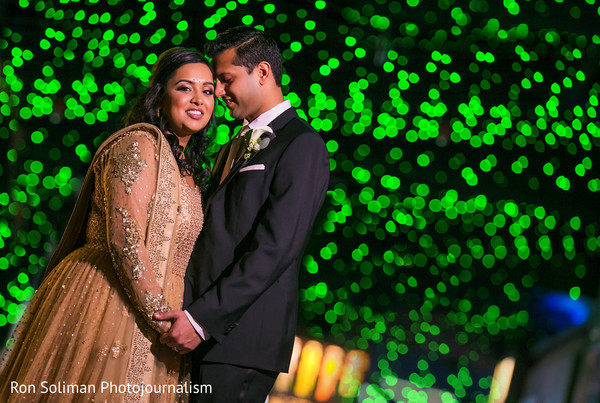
(162, 272)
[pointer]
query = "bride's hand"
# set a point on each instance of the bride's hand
(163, 325)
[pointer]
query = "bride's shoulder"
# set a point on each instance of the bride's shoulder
(143, 135)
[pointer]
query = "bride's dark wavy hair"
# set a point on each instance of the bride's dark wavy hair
(145, 110)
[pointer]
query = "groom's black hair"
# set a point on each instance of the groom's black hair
(252, 47)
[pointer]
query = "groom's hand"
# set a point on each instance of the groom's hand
(182, 336)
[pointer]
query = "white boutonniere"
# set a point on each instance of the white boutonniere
(259, 140)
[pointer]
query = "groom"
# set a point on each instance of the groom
(269, 182)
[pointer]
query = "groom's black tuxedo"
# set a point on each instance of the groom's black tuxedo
(242, 279)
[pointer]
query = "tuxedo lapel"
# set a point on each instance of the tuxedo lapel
(222, 157)
(220, 161)
(217, 171)
(234, 169)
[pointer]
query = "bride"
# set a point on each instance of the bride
(88, 333)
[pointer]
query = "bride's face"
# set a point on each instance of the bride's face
(188, 99)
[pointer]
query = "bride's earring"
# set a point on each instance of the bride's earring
(158, 113)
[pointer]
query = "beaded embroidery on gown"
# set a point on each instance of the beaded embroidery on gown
(88, 334)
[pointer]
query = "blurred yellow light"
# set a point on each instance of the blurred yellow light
(308, 369)
(501, 380)
(331, 368)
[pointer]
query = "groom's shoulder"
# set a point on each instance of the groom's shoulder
(303, 137)
(297, 126)
(295, 132)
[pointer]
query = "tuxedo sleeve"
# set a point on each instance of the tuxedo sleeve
(296, 194)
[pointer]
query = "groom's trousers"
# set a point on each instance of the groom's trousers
(232, 384)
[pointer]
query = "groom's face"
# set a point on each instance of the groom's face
(240, 90)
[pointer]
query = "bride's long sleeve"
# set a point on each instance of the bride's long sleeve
(130, 181)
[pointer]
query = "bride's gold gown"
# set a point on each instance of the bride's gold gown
(87, 334)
